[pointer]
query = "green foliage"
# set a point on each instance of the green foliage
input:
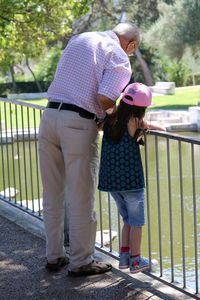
(167, 36)
(143, 12)
(178, 72)
(177, 28)
(161, 67)
(169, 1)
(157, 64)
(194, 79)
(191, 37)
(46, 68)
(27, 27)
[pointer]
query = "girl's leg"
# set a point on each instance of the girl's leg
(135, 208)
(124, 247)
(135, 240)
(137, 262)
(125, 236)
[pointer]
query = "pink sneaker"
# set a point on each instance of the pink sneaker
(138, 264)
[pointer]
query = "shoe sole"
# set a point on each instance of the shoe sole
(88, 272)
(56, 267)
(123, 267)
(140, 270)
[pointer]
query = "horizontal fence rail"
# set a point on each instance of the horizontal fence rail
(172, 169)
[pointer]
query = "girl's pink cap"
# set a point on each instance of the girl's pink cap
(137, 94)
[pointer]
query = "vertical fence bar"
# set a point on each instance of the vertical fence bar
(195, 220)
(159, 210)
(119, 229)
(170, 212)
(13, 153)
(7, 152)
(37, 163)
(30, 159)
(109, 222)
(2, 154)
(182, 210)
(24, 156)
(100, 218)
(18, 155)
(147, 197)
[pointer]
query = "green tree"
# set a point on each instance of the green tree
(46, 68)
(177, 28)
(178, 72)
(27, 27)
(191, 26)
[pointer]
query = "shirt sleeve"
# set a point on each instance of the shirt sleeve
(115, 77)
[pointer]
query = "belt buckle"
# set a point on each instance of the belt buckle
(60, 105)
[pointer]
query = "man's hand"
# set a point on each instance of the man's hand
(105, 102)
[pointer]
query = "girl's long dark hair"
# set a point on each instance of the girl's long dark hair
(116, 124)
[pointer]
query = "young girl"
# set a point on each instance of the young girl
(121, 170)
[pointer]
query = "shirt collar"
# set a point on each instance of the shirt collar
(113, 35)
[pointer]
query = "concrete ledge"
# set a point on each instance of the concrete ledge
(22, 218)
(164, 87)
(194, 112)
(178, 127)
(19, 135)
(27, 96)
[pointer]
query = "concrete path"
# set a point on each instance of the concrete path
(23, 276)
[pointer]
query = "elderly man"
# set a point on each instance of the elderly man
(91, 74)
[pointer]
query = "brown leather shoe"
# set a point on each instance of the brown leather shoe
(93, 268)
(61, 262)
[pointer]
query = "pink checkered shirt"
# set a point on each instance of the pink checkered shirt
(92, 63)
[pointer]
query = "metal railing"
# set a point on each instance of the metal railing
(172, 168)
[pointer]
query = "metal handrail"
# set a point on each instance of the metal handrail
(20, 169)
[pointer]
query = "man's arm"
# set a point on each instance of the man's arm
(105, 102)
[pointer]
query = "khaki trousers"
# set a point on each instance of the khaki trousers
(68, 150)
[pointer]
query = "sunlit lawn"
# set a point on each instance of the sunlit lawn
(42, 102)
(182, 99)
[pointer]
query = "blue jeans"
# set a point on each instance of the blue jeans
(131, 206)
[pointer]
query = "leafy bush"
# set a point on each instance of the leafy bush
(46, 68)
(178, 72)
(194, 79)
(23, 87)
(158, 65)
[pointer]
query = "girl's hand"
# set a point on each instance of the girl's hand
(151, 126)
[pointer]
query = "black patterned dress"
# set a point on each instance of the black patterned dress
(120, 165)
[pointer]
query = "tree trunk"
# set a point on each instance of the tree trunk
(35, 79)
(145, 69)
(14, 85)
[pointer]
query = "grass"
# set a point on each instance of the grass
(42, 102)
(182, 99)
